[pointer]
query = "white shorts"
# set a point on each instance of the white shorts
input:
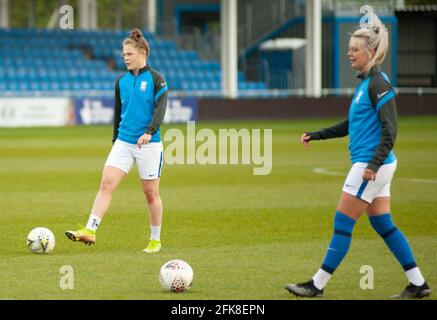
(369, 190)
(149, 158)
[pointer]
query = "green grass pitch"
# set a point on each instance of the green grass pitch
(245, 236)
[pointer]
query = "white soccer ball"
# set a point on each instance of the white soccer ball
(41, 240)
(176, 275)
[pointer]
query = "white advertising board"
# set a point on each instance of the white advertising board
(30, 112)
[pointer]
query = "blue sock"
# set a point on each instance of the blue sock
(394, 239)
(340, 242)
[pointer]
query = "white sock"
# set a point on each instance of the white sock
(155, 232)
(321, 279)
(415, 276)
(93, 222)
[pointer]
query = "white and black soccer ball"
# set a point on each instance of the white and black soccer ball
(41, 240)
(176, 275)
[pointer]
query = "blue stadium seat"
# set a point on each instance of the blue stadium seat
(174, 84)
(217, 76)
(24, 85)
(215, 85)
(180, 74)
(204, 85)
(66, 85)
(261, 85)
(163, 44)
(35, 85)
(45, 86)
(184, 64)
(55, 85)
(243, 86)
(77, 85)
(208, 76)
(190, 75)
(86, 85)
(185, 86)
(190, 55)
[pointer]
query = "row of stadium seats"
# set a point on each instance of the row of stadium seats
(58, 33)
(174, 83)
(184, 58)
(40, 53)
(44, 85)
(56, 76)
(174, 64)
(79, 42)
(40, 63)
(104, 84)
(208, 85)
(108, 52)
(203, 68)
(55, 85)
(36, 52)
(82, 73)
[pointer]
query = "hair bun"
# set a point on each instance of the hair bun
(136, 34)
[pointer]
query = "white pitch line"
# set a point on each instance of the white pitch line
(327, 172)
(418, 180)
(335, 173)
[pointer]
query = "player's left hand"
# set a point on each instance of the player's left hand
(369, 175)
(144, 139)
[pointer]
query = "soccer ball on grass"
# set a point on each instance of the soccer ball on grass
(176, 275)
(41, 240)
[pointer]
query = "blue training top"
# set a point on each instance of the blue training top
(364, 119)
(140, 103)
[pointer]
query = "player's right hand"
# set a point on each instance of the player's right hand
(144, 139)
(305, 139)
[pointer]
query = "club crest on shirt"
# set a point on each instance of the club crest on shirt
(143, 86)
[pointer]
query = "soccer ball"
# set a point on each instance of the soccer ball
(176, 275)
(41, 240)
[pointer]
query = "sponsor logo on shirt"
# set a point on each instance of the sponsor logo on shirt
(143, 86)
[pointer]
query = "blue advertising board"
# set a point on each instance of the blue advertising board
(101, 110)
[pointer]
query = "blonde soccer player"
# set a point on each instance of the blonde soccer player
(372, 128)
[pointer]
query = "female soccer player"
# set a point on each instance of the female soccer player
(372, 127)
(139, 109)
